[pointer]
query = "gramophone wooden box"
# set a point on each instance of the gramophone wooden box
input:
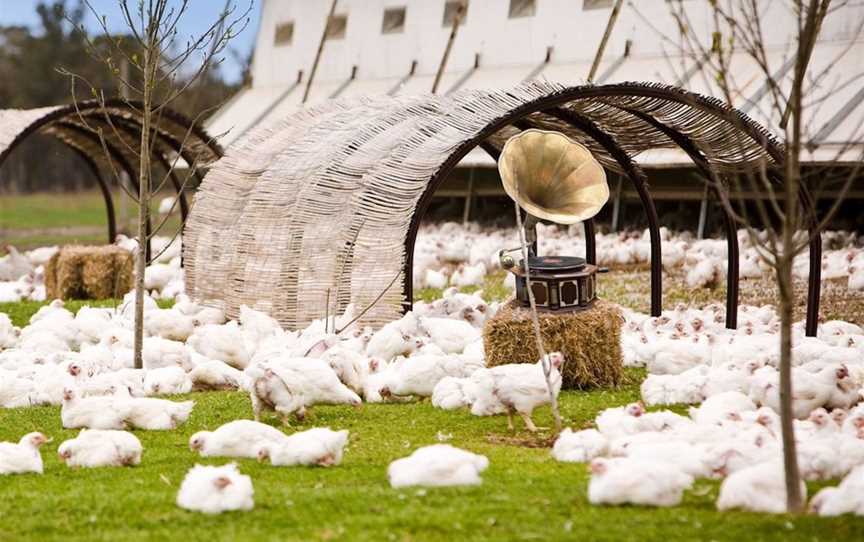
(559, 283)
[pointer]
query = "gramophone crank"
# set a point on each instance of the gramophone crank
(556, 179)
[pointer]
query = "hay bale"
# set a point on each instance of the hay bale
(590, 340)
(89, 272)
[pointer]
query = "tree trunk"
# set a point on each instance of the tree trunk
(794, 503)
(143, 199)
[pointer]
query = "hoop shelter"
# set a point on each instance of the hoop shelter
(78, 127)
(325, 204)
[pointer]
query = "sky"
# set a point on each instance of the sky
(200, 14)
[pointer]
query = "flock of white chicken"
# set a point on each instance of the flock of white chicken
(84, 363)
(456, 255)
(452, 254)
(651, 458)
(22, 275)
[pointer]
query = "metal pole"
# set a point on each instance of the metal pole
(320, 51)
(602, 47)
(703, 214)
(616, 204)
(466, 212)
(460, 10)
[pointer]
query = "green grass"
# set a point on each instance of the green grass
(525, 494)
(43, 219)
(46, 210)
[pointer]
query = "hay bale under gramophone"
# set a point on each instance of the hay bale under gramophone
(590, 341)
(89, 272)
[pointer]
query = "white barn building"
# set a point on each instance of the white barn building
(396, 47)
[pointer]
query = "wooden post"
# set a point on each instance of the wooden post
(320, 51)
(602, 47)
(456, 20)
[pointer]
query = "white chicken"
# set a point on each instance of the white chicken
(153, 414)
(846, 498)
(24, 456)
(319, 446)
(452, 336)
(240, 438)
(221, 342)
(291, 385)
(215, 375)
(628, 480)
(758, 488)
(167, 381)
(98, 448)
(78, 412)
(419, 374)
(437, 465)
(579, 446)
(515, 388)
(213, 490)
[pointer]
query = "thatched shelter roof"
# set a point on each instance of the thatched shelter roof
(328, 200)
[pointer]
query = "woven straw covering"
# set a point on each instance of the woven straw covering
(325, 199)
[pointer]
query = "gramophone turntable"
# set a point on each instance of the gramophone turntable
(557, 179)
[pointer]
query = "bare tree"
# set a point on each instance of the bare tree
(163, 66)
(785, 191)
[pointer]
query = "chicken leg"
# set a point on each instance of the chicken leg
(510, 425)
(529, 424)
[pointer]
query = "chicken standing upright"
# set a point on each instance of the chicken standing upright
(516, 388)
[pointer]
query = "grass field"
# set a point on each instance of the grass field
(34, 220)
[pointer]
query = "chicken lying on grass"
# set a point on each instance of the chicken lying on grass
(213, 490)
(846, 498)
(240, 438)
(293, 385)
(315, 447)
(437, 465)
(98, 448)
(121, 411)
(759, 488)
(24, 456)
(507, 389)
(625, 480)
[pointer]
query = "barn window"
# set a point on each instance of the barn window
(394, 21)
(522, 8)
(336, 27)
(596, 4)
(284, 33)
(450, 10)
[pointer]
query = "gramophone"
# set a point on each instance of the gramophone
(557, 179)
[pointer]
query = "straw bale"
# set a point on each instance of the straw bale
(590, 341)
(89, 272)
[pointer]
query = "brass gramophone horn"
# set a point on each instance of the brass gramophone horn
(553, 177)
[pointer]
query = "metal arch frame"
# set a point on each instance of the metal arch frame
(714, 107)
(732, 269)
(115, 155)
(133, 131)
(63, 118)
